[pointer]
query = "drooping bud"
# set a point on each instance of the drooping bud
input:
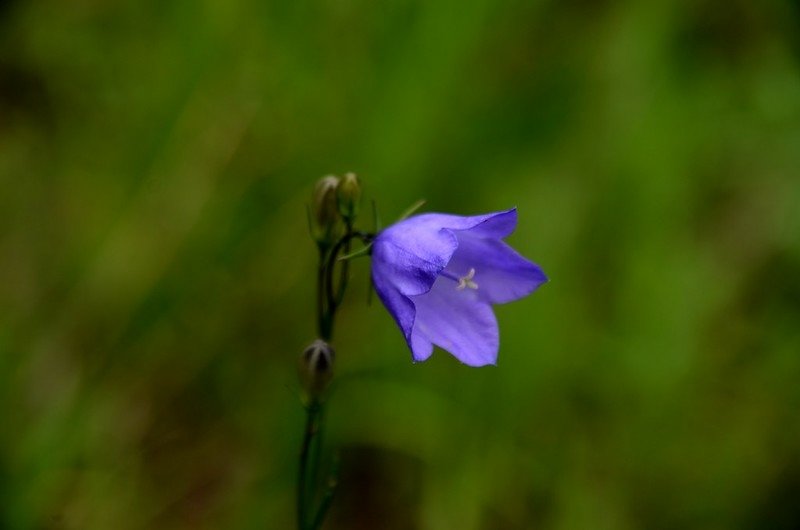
(326, 223)
(349, 196)
(315, 368)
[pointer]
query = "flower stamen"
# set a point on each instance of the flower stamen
(462, 281)
(466, 281)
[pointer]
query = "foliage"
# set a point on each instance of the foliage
(158, 284)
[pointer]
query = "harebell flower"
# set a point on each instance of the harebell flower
(438, 276)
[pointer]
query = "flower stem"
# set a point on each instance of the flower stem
(334, 298)
(327, 497)
(329, 297)
(312, 412)
(322, 312)
(344, 269)
(316, 451)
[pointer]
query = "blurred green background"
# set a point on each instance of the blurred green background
(157, 277)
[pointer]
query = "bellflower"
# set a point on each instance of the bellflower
(439, 274)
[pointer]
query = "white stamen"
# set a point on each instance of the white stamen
(466, 281)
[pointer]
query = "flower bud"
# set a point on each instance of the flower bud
(316, 368)
(325, 219)
(348, 196)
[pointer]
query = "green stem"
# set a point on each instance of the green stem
(334, 298)
(344, 270)
(327, 497)
(328, 300)
(302, 489)
(316, 453)
(321, 309)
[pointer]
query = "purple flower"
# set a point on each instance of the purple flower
(438, 275)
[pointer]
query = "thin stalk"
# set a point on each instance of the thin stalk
(327, 497)
(328, 299)
(333, 298)
(316, 453)
(344, 268)
(302, 489)
(321, 310)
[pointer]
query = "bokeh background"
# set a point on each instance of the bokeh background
(157, 280)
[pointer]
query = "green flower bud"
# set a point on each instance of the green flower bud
(315, 368)
(326, 223)
(348, 196)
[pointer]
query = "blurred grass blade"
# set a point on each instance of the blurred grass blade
(411, 210)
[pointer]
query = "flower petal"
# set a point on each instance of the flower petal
(421, 347)
(415, 241)
(496, 224)
(405, 271)
(425, 230)
(502, 275)
(396, 274)
(457, 321)
(404, 313)
(399, 306)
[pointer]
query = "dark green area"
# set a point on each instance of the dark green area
(157, 280)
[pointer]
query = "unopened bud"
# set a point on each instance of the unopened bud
(349, 196)
(316, 368)
(325, 218)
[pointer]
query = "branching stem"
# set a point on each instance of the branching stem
(329, 296)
